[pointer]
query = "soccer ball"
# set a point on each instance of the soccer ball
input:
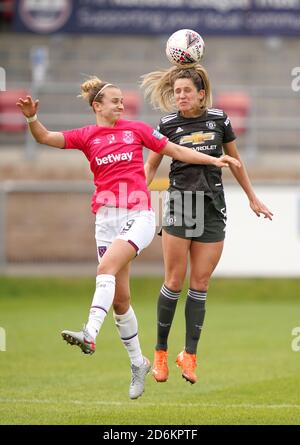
(185, 47)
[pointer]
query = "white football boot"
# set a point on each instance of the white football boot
(82, 339)
(138, 375)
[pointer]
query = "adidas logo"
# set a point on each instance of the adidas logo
(179, 130)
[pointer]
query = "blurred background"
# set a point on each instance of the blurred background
(47, 48)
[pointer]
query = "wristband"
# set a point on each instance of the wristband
(31, 118)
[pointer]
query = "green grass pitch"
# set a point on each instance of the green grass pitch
(247, 370)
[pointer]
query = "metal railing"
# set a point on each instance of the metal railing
(272, 121)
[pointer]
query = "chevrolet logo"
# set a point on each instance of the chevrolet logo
(197, 138)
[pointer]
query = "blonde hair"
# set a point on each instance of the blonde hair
(91, 89)
(159, 86)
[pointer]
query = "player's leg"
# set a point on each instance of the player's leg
(127, 326)
(205, 253)
(117, 256)
(135, 232)
(204, 257)
(138, 231)
(112, 257)
(125, 318)
(175, 253)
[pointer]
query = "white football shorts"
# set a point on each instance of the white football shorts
(135, 226)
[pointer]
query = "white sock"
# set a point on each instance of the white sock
(128, 330)
(102, 301)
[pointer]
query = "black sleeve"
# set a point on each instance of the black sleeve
(160, 128)
(229, 135)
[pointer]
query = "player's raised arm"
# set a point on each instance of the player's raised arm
(189, 156)
(40, 133)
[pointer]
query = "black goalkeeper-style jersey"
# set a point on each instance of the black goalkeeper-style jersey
(205, 134)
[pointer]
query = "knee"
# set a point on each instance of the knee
(99, 269)
(104, 269)
(175, 284)
(199, 283)
(121, 305)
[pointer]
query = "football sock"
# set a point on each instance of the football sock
(194, 318)
(128, 329)
(102, 301)
(166, 307)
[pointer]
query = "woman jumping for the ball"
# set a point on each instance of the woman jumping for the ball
(125, 222)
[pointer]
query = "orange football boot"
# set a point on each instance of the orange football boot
(160, 370)
(187, 363)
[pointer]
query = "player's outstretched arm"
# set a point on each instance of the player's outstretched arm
(243, 179)
(189, 156)
(40, 133)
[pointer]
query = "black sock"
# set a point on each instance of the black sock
(194, 318)
(166, 307)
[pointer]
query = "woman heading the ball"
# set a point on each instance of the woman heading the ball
(125, 222)
(195, 195)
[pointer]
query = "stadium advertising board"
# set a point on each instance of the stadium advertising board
(213, 17)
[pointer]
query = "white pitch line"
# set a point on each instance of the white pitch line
(146, 404)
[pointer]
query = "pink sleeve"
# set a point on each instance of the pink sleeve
(152, 139)
(74, 139)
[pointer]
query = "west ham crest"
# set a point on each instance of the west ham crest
(102, 250)
(128, 137)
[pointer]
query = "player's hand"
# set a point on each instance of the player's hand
(259, 207)
(28, 106)
(227, 161)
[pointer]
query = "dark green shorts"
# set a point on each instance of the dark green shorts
(198, 218)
